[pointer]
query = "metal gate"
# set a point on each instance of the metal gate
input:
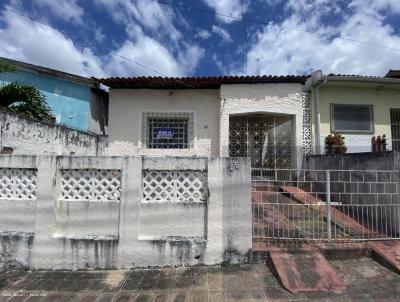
(265, 139)
(325, 205)
(395, 128)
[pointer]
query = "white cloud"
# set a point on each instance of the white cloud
(150, 14)
(231, 8)
(148, 52)
(98, 35)
(203, 34)
(373, 5)
(66, 10)
(222, 33)
(38, 44)
(25, 40)
(279, 49)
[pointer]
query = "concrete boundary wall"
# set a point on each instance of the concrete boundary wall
(20, 135)
(96, 218)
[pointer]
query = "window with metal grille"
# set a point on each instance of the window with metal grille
(395, 127)
(167, 130)
(352, 118)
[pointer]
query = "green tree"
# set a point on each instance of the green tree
(24, 98)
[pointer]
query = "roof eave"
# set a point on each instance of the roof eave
(90, 82)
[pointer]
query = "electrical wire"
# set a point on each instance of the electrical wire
(248, 20)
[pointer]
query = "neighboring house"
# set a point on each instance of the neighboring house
(358, 107)
(260, 117)
(76, 101)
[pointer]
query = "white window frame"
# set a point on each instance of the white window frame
(371, 121)
(144, 114)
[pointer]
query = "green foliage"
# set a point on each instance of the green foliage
(225, 263)
(24, 99)
(6, 67)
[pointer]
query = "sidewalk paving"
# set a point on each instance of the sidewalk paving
(366, 280)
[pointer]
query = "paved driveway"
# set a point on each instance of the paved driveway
(366, 281)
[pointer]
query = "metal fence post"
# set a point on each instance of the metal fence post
(328, 204)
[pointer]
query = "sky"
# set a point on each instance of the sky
(103, 38)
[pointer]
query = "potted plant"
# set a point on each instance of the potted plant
(334, 144)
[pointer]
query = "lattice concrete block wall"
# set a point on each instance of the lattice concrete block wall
(75, 230)
(18, 188)
(88, 198)
(174, 186)
(173, 204)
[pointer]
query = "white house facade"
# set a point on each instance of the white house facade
(257, 117)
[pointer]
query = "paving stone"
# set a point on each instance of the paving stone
(55, 275)
(18, 298)
(131, 284)
(75, 286)
(178, 296)
(275, 293)
(198, 295)
(51, 285)
(144, 296)
(87, 275)
(199, 281)
(367, 281)
(215, 281)
(134, 274)
(261, 268)
(232, 281)
(268, 279)
(123, 297)
(257, 294)
(199, 271)
(36, 299)
(87, 297)
(51, 297)
(149, 283)
(161, 296)
(214, 269)
(97, 285)
(237, 295)
(67, 298)
(105, 297)
(251, 280)
(215, 296)
(366, 271)
(183, 282)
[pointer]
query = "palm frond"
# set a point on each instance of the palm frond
(25, 99)
(6, 67)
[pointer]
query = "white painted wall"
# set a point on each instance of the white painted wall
(29, 137)
(211, 107)
(126, 106)
(48, 233)
(261, 98)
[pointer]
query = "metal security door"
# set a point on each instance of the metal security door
(265, 139)
(395, 127)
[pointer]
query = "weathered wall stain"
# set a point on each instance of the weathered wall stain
(25, 136)
(120, 233)
(16, 249)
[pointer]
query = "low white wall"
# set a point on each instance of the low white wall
(24, 136)
(49, 232)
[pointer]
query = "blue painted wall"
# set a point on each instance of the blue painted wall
(69, 101)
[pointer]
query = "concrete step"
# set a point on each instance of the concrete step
(340, 219)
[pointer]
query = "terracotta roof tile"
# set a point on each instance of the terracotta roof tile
(393, 74)
(195, 82)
